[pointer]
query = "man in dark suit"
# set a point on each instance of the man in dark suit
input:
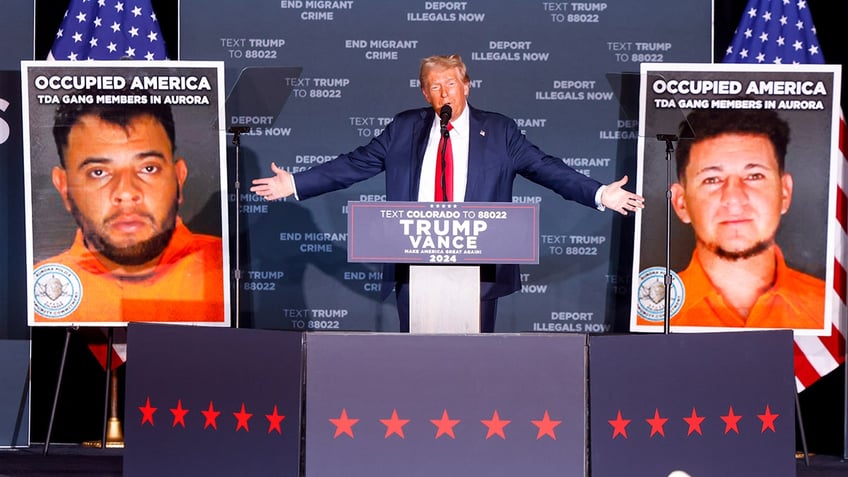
(488, 152)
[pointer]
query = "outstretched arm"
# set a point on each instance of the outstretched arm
(616, 198)
(278, 186)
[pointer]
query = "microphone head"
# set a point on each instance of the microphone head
(445, 114)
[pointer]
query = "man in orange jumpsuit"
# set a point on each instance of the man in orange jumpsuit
(132, 258)
(733, 190)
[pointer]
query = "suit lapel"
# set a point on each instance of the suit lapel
(476, 146)
(420, 136)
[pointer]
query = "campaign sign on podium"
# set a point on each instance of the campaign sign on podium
(444, 243)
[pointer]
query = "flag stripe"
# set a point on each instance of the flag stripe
(805, 353)
(839, 280)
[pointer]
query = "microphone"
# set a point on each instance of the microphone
(445, 114)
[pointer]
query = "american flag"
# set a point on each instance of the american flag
(782, 32)
(109, 30)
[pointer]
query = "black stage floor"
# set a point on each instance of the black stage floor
(73, 460)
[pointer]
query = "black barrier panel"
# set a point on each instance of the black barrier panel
(212, 401)
(701, 404)
(16, 33)
(14, 335)
(12, 213)
(388, 405)
(14, 393)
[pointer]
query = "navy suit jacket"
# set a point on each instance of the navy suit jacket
(497, 152)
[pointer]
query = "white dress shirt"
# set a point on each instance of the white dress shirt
(459, 146)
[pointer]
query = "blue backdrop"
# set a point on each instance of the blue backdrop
(553, 66)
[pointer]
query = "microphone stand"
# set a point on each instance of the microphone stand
(669, 148)
(237, 132)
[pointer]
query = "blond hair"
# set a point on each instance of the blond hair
(443, 62)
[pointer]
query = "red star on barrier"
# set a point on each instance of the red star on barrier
(445, 425)
(619, 426)
(344, 424)
(496, 425)
(546, 426)
(657, 423)
(211, 416)
(767, 418)
(147, 412)
(731, 421)
(242, 416)
(694, 422)
(274, 420)
(179, 414)
(394, 425)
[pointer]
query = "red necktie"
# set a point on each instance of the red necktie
(447, 187)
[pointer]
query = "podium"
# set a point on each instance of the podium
(444, 299)
(444, 243)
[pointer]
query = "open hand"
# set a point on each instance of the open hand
(278, 186)
(616, 198)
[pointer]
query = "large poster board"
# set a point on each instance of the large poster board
(125, 174)
(751, 239)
